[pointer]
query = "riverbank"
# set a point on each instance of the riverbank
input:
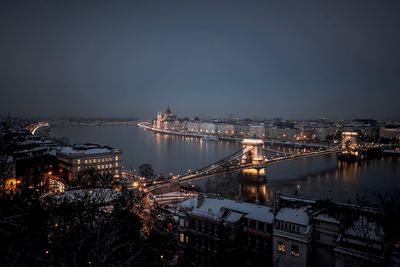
(314, 176)
(140, 125)
(186, 134)
(233, 139)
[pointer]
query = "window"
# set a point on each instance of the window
(181, 222)
(79, 161)
(116, 171)
(266, 246)
(181, 238)
(110, 165)
(295, 251)
(79, 168)
(281, 247)
(98, 167)
(320, 260)
(94, 160)
(85, 161)
(116, 164)
(317, 235)
(116, 158)
(260, 226)
(335, 237)
(258, 243)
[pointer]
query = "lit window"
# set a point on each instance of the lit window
(94, 160)
(281, 247)
(102, 166)
(295, 251)
(79, 161)
(116, 171)
(79, 168)
(116, 164)
(85, 161)
(90, 161)
(98, 167)
(181, 238)
(116, 158)
(110, 165)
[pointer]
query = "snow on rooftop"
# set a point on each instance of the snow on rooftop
(215, 208)
(326, 218)
(298, 216)
(234, 216)
(67, 150)
(297, 199)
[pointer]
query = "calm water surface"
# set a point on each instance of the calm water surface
(322, 176)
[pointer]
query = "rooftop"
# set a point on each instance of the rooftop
(86, 149)
(215, 207)
(298, 216)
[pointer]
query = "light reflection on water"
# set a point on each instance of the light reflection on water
(322, 176)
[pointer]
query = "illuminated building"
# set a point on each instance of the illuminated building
(390, 133)
(165, 120)
(103, 159)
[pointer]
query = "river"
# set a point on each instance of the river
(321, 176)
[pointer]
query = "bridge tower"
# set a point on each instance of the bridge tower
(350, 148)
(252, 151)
(349, 141)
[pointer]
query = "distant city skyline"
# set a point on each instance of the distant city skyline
(286, 59)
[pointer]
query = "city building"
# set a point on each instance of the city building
(361, 244)
(285, 134)
(390, 133)
(7, 171)
(165, 120)
(326, 233)
(104, 159)
(223, 232)
(292, 236)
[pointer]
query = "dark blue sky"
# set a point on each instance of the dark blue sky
(293, 59)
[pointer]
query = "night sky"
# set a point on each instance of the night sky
(291, 59)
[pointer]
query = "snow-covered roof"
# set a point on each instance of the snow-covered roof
(215, 207)
(234, 216)
(297, 199)
(298, 216)
(326, 218)
(68, 150)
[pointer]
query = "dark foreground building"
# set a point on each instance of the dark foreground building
(296, 232)
(223, 232)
